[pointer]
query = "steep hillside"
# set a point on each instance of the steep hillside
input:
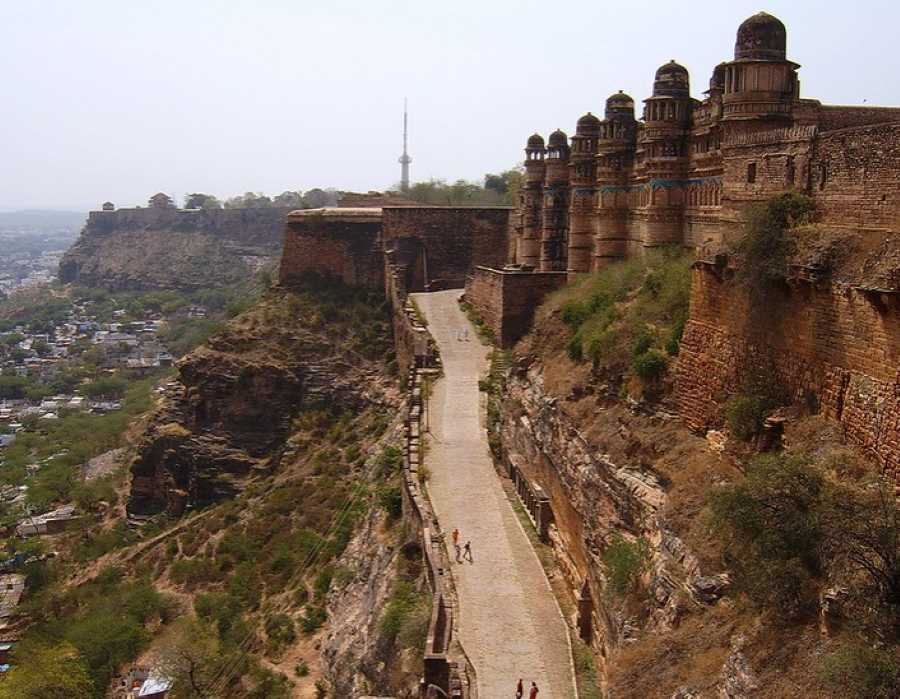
(700, 566)
(271, 561)
(173, 249)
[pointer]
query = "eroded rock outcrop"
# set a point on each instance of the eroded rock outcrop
(607, 470)
(227, 413)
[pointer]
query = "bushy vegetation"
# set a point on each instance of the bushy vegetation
(406, 617)
(744, 415)
(787, 526)
(859, 671)
(623, 564)
(63, 445)
(586, 671)
(631, 315)
(765, 248)
(89, 631)
(772, 526)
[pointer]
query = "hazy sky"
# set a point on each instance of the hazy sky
(119, 99)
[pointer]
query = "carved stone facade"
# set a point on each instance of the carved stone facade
(688, 169)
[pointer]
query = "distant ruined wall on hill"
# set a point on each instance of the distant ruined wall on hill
(831, 345)
(152, 248)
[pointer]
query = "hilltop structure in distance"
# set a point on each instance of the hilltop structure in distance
(404, 160)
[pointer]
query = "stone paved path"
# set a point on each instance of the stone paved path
(510, 623)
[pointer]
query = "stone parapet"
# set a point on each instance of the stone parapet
(506, 299)
(446, 666)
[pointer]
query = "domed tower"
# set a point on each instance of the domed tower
(556, 204)
(760, 83)
(615, 159)
(664, 150)
(582, 180)
(528, 252)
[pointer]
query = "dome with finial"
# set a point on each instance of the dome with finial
(535, 141)
(672, 80)
(588, 125)
(557, 139)
(761, 37)
(619, 105)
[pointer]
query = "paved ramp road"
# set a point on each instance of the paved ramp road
(510, 624)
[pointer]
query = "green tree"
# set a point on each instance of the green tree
(47, 672)
(191, 657)
(772, 524)
(198, 200)
(289, 199)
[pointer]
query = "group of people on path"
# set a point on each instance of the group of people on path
(532, 693)
(463, 552)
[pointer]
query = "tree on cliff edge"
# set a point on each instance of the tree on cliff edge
(198, 200)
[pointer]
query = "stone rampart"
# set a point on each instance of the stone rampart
(440, 246)
(833, 116)
(832, 346)
(342, 243)
(506, 299)
(854, 177)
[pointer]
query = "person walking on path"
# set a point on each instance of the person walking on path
(468, 551)
(532, 694)
(456, 544)
(519, 690)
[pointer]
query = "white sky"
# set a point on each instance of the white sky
(118, 99)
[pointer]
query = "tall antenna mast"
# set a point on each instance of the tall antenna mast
(405, 160)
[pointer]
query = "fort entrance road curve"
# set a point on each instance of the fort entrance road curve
(510, 623)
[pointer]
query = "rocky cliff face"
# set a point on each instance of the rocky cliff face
(613, 470)
(138, 249)
(229, 410)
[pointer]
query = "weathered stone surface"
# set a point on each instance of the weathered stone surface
(596, 494)
(831, 345)
(352, 646)
(506, 299)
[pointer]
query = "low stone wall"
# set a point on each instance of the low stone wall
(411, 338)
(445, 668)
(833, 345)
(453, 676)
(507, 299)
(533, 498)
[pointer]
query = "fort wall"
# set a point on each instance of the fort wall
(343, 243)
(507, 299)
(834, 347)
(260, 226)
(855, 177)
(832, 117)
(441, 245)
